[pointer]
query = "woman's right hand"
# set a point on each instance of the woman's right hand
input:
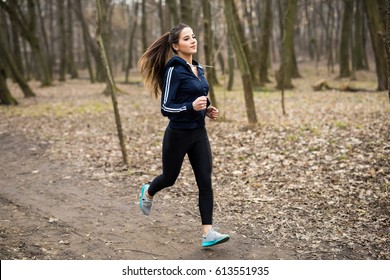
(200, 103)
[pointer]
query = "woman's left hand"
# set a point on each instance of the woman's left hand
(212, 112)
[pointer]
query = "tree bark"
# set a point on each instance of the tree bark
(133, 28)
(173, 9)
(110, 82)
(5, 95)
(208, 50)
(27, 31)
(377, 32)
(161, 14)
(358, 49)
(106, 37)
(144, 27)
(16, 52)
(286, 66)
(265, 40)
(231, 16)
(387, 44)
(45, 41)
(62, 41)
(27, 91)
(345, 70)
(71, 64)
(231, 67)
(252, 43)
(91, 44)
(244, 42)
(186, 13)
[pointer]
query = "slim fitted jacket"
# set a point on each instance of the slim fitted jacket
(180, 87)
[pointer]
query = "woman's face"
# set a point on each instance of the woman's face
(187, 44)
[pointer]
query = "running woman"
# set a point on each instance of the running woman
(181, 82)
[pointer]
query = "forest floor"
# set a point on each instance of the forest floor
(313, 184)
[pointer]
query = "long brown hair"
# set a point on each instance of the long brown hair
(152, 62)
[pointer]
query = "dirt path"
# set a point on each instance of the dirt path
(50, 210)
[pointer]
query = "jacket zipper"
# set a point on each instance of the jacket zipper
(193, 71)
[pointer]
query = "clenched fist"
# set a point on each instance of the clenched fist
(212, 112)
(200, 103)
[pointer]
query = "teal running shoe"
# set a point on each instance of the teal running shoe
(214, 238)
(145, 203)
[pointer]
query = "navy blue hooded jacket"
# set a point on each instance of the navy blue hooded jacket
(180, 88)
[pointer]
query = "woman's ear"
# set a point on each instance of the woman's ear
(175, 47)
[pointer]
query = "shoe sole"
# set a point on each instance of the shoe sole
(213, 243)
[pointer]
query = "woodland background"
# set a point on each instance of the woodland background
(54, 40)
(301, 150)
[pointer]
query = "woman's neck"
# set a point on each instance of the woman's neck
(187, 58)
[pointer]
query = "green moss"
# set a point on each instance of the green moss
(292, 137)
(342, 157)
(314, 149)
(340, 125)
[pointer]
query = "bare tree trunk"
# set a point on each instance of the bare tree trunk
(51, 15)
(330, 24)
(27, 91)
(72, 69)
(311, 38)
(110, 82)
(173, 9)
(186, 12)
(161, 14)
(231, 16)
(230, 66)
(27, 31)
(345, 70)
(100, 74)
(286, 68)
(131, 41)
(387, 44)
(208, 42)
(105, 33)
(88, 60)
(253, 59)
(244, 42)
(364, 42)
(327, 25)
(16, 48)
(88, 43)
(144, 27)
(62, 41)
(26, 60)
(5, 95)
(10, 63)
(295, 70)
(45, 40)
(208, 50)
(357, 57)
(45, 76)
(377, 30)
(220, 58)
(16, 53)
(265, 40)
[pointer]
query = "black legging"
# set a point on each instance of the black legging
(176, 144)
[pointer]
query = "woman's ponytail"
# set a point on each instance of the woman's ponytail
(151, 64)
